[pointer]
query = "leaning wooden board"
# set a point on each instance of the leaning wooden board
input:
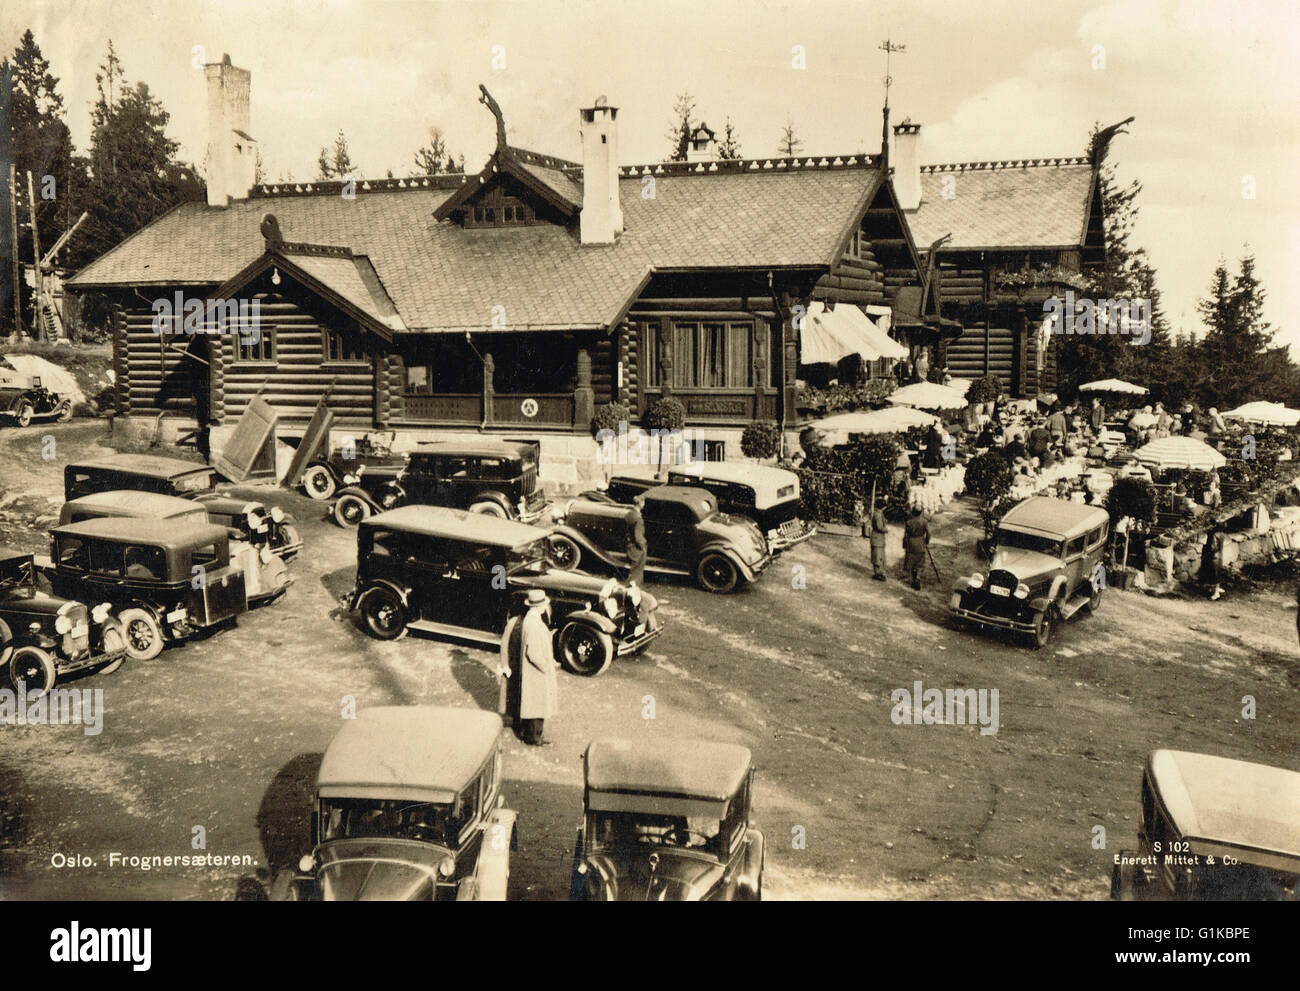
(249, 456)
(316, 434)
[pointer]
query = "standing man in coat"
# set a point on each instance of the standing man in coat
(635, 541)
(875, 528)
(534, 661)
(916, 544)
(1098, 416)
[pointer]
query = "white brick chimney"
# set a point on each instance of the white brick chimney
(906, 160)
(232, 152)
(601, 220)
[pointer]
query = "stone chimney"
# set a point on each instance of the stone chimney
(602, 215)
(702, 147)
(232, 152)
(906, 161)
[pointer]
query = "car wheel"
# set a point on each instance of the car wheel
(114, 640)
(489, 509)
(564, 552)
(65, 411)
(1094, 602)
(584, 649)
(144, 638)
(1043, 629)
(319, 482)
(382, 614)
(25, 412)
(31, 667)
(350, 510)
(717, 573)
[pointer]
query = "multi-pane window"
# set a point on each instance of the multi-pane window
(341, 347)
(262, 348)
(705, 355)
(495, 209)
(419, 380)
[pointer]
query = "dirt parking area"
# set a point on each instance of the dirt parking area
(225, 733)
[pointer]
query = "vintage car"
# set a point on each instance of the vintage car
(43, 636)
(141, 472)
(1213, 829)
(495, 478)
(667, 822)
(271, 529)
(458, 574)
(408, 808)
(765, 494)
(265, 575)
(1047, 565)
(685, 535)
(324, 476)
(165, 583)
(23, 398)
(259, 526)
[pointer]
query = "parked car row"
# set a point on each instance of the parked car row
(23, 398)
(408, 806)
(150, 585)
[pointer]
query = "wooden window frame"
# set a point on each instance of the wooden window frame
(326, 336)
(496, 202)
(266, 340)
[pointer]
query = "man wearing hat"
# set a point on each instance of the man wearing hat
(532, 661)
(916, 544)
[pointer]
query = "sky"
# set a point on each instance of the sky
(1212, 85)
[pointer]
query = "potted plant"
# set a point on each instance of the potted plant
(984, 391)
(761, 440)
(665, 417)
(988, 478)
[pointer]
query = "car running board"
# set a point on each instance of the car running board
(1074, 605)
(460, 632)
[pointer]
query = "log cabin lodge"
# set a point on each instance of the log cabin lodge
(517, 300)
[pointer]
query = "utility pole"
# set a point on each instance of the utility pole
(13, 234)
(889, 48)
(36, 259)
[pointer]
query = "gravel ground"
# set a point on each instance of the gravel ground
(226, 733)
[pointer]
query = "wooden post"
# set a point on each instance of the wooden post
(583, 398)
(13, 234)
(36, 258)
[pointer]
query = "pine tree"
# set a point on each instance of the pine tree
(790, 145)
(679, 131)
(1234, 357)
(433, 158)
(729, 146)
(336, 163)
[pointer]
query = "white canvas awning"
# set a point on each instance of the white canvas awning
(829, 335)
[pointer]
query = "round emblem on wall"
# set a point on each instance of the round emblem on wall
(529, 408)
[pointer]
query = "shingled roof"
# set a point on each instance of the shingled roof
(441, 277)
(1040, 203)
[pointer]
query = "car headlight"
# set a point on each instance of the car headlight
(265, 555)
(611, 607)
(101, 612)
(446, 867)
(351, 479)
(62, 624)
(1022, 591)
(976, 580)
(277, 514)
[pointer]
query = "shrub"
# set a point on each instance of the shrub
(845, 397)
(1135, 497)
(608, 417)
(984, 389)
(761, 439)
(667, 413)
(988, 478)
(832, 479)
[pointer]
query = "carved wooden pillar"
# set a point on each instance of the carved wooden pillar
(583, 398)
(623, 370)
(762, 333)
(489, 367)
(666, 356)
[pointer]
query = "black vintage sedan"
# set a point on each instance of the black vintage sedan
(43, 635)
(685, 535)
(667, 821)
(24, 398)
(463, 575)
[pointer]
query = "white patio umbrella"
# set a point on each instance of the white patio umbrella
(1269, 414)
(1180, 452)
(928, 395)
(1140, 420)
(1113, 385)
(891, 420)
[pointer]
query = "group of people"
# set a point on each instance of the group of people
(916, 541)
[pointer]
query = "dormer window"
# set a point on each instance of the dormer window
(496, 209)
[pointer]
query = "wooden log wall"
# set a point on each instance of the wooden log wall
(604, 358)
(158, 379)
(295, 381)
(853, 280)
